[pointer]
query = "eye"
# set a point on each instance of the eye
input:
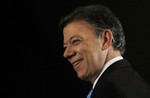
(76, 41)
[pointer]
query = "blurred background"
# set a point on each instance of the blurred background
(32, 63)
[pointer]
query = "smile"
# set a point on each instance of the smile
(76, 63)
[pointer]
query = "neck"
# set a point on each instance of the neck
(111, 54)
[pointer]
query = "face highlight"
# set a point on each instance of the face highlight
(83, 49)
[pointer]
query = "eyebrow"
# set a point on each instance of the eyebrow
(70, 39)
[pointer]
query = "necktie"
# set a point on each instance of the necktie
(89, 94)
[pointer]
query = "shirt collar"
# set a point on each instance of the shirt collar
(110, 62)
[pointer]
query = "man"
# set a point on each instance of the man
(94, 44)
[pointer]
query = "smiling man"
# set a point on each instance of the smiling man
(94, 44)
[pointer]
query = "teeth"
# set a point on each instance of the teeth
(76, 63)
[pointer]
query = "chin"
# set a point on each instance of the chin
(83, 77)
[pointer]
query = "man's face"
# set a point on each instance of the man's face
(83, 49)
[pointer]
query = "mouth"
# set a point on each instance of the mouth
(76, 63)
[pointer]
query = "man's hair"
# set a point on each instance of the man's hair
(101, 18)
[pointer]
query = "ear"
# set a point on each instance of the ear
(107, 39)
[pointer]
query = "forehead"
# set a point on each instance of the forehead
(80, 28)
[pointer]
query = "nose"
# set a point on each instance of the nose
(68, 52)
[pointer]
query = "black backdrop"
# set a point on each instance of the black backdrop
(31, 46)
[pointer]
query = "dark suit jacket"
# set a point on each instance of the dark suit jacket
(121, 81)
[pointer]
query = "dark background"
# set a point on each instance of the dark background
(31, 46)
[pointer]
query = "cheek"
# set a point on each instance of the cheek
(91, 50)
(81, 48)
(95, 56)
